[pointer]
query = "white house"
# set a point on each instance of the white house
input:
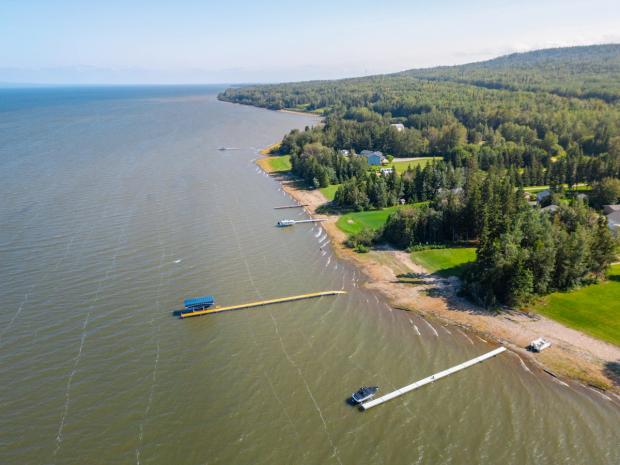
(398, 126)
(374, 158)
(386, 171)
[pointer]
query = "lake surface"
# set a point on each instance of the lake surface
(117, 204)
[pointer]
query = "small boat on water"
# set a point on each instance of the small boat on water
(285, 223)
(364, 393)
(538, 345)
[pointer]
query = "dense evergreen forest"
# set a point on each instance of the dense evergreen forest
(550, 117)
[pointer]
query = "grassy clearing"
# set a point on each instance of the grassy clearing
(330, 191)
(401, 166)
(354, 222)
(592, 309)
(537, 189)
(280, 164)
(450, 261)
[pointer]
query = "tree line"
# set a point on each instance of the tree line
(522, 251)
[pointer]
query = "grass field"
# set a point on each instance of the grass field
(537, 189)
(329, 191)
(592, 309)
(280, 164)
(354, 222)
(445, 262)
(401, 166)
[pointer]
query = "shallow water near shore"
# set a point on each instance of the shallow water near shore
(117, 204)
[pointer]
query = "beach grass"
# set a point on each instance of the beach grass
(449, 261)
(593, 309)
(279, 164)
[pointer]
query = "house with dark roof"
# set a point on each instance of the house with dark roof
(613, 221)
(543, 195)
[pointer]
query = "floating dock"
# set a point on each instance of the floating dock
(430, 379)
(261, 303)
(290, 206)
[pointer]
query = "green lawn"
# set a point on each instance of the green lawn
(537, 189)
(279, 164)
(354, 222)
(592, 309)
(330, 191)
(401, 166)
(446, 262)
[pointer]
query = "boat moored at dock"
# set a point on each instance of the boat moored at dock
(364, 393)
(197, 303)
(285, 223)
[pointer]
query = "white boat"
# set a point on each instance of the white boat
(364, 393)
(538, 345)
(284, 223)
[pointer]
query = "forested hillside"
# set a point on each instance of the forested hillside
(586, 72)
(550, 117)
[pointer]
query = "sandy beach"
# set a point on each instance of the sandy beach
(573, 357)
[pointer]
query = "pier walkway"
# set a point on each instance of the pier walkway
(432, 378)
(260, 303)
(291, 206)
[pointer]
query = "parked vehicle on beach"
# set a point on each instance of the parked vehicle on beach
(538, 345)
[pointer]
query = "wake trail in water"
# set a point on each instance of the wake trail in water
(32, 287)
(523, 365)
(465, 336)
(65, 410)
(316, 405)
(111, 268)
(415, 327)
(149, 402)
(432, 328)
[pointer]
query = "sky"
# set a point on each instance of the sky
(240, 41)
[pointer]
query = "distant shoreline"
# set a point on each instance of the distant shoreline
(573, 356)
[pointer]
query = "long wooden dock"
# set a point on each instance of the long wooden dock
(432, 378)
(261, 303)
(291, 206)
